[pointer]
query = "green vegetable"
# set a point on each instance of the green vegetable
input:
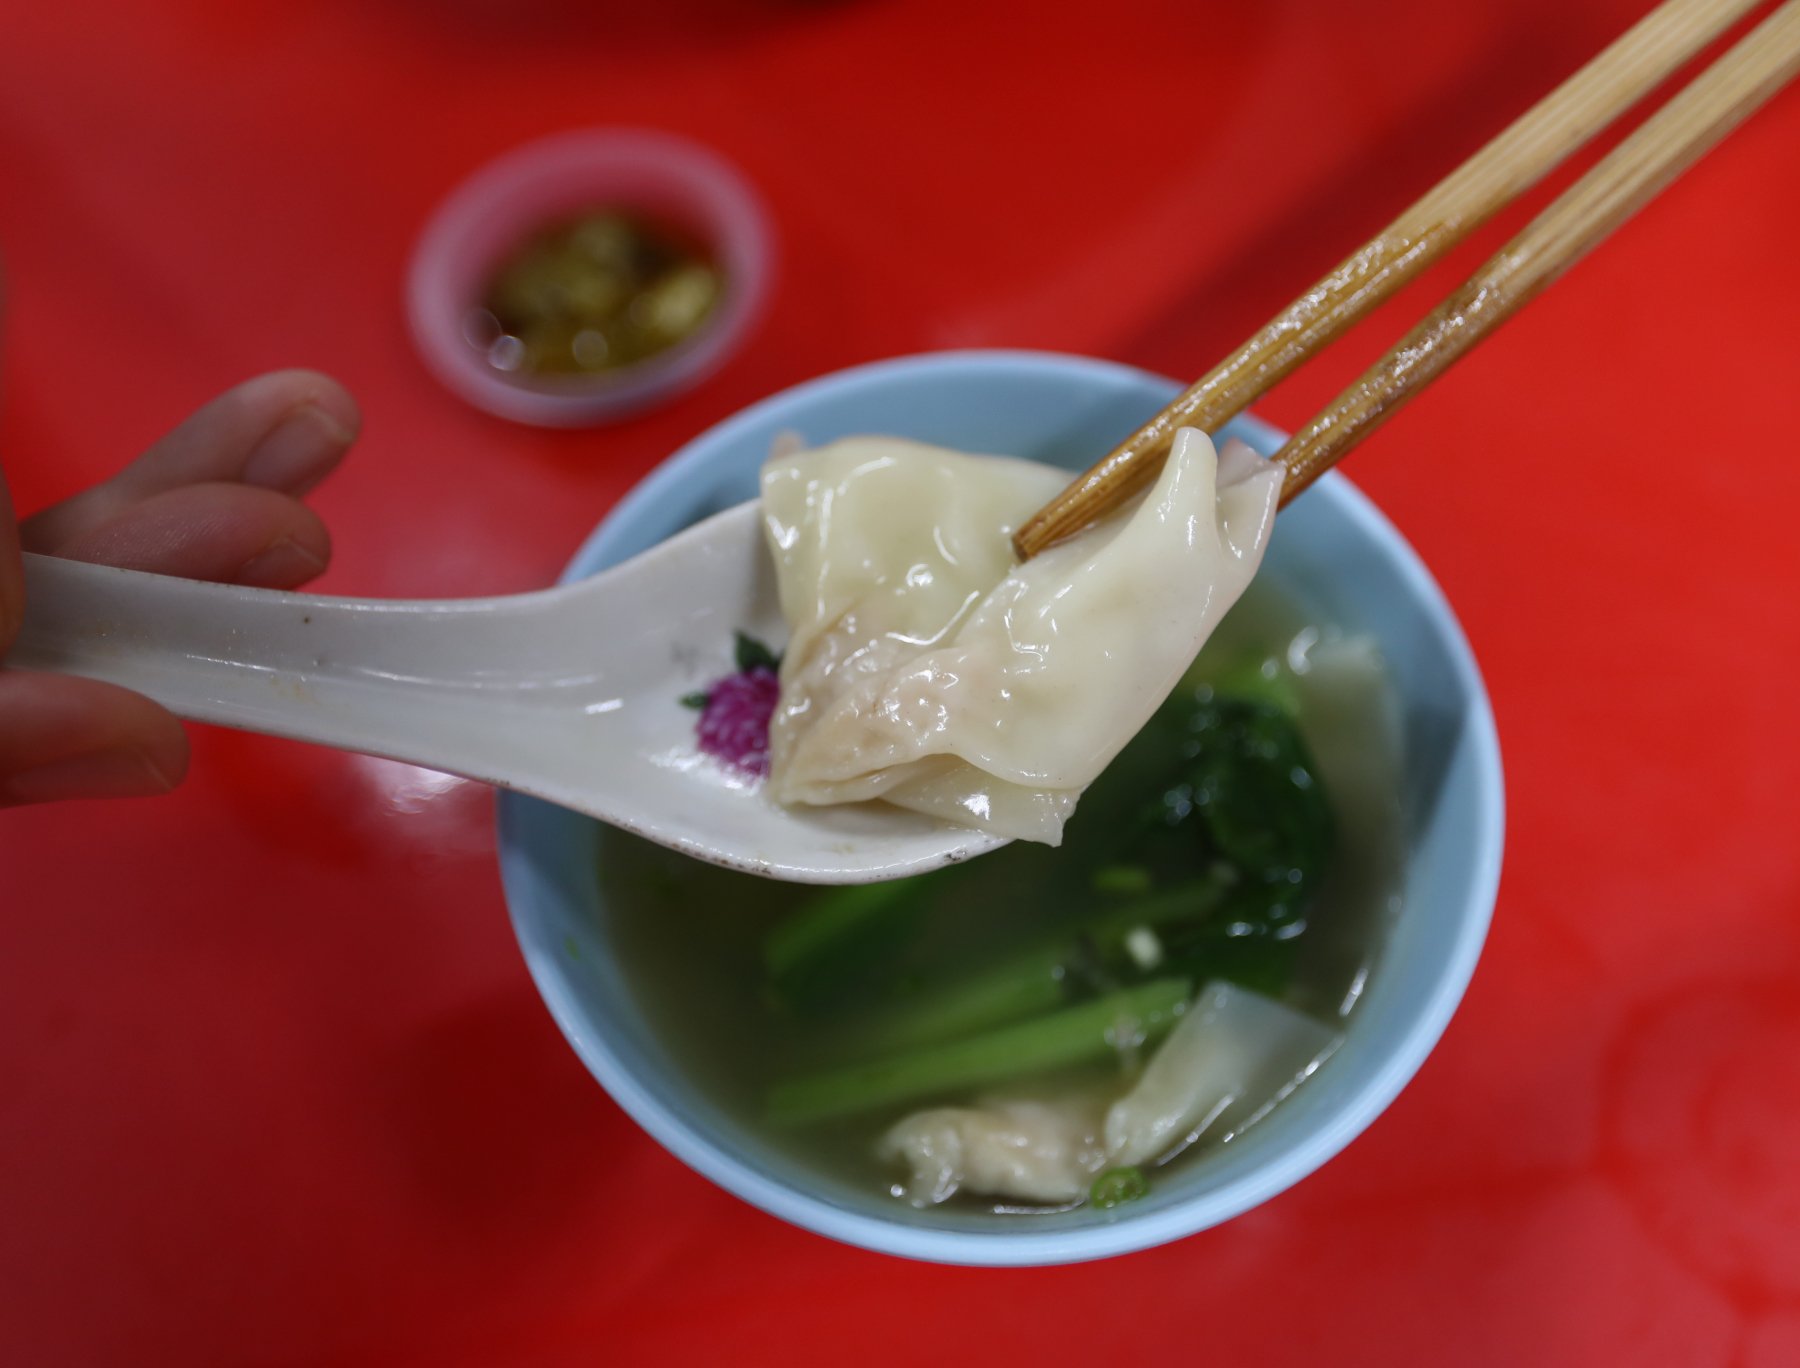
(1122, 879)
(1033, 982)
(1246, 795)
(1260, 962)
(1119, 1185)
(1191, 901)
(840, 942)
(1223, 866)
(1075, 1035)
(1090, 957)
(1257, 679)
(1252, 782)
(697, 700)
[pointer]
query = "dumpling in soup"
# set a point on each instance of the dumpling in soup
(926, 669)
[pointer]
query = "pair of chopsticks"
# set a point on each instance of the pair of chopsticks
(1618, 186)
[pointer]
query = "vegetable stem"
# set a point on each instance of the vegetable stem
(831, 942)
(1075, 1035)
(1018, 987)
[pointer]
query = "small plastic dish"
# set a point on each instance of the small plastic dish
(661, 176)
(1332, 551)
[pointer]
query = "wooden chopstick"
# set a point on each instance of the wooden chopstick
(1528, 149)
(1628, 178)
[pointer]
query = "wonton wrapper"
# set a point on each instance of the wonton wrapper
(926, 669)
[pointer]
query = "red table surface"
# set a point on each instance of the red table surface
(274, 1086)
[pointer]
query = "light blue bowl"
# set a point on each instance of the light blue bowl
(1332, 550)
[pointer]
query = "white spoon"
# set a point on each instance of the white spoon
(571, 694)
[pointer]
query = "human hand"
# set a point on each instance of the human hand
(216, 499)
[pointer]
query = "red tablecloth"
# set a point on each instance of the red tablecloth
(274, 1087)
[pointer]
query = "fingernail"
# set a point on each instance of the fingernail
(121, 772)
(289, 457)
(281, 565)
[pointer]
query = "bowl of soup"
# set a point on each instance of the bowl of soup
(1257, 925)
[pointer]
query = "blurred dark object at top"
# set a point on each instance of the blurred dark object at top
(688, 24)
